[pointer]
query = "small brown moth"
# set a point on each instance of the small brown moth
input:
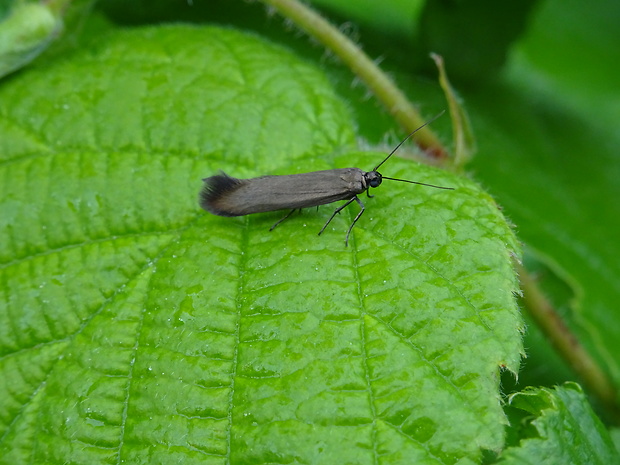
(227, 196)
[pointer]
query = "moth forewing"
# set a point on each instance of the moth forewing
(227, 196)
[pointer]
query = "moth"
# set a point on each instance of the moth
(224, 195)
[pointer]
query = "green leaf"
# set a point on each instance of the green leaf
(393, 15)
(25, 32)
(566, 429)
(461, 32)
(135, 327)
(544, 121)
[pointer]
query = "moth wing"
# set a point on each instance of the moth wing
(226, 196)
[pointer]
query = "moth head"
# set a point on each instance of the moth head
(373, 179)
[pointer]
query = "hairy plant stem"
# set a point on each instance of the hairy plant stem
(363, 67)
(567, 345)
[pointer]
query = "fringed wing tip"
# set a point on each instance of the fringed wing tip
(214, 192)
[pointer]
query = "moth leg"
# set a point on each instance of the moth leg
(346, 241)
(338, 210)
(285, 217)
(368, 193)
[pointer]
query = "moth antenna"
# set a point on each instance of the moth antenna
(420, 183)
(405, 140)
